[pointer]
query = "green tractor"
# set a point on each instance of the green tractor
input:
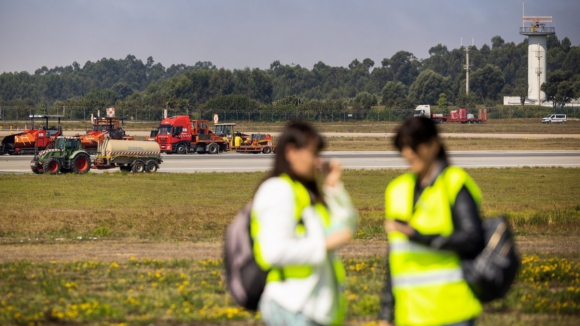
(67, 155)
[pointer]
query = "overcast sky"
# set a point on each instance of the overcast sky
(254, 33)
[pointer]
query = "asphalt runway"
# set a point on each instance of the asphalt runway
(236, 162)
(145, 133)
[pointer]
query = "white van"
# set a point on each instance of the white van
(554, 118)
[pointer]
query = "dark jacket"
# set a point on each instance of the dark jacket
(466, 240)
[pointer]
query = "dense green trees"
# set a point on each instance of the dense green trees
(366, 100)
(487, 82)
(400, 81)
(393, 91)
(427, 87)
(442, 101)
(560, 89)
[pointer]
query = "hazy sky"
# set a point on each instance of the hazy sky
(254, 33)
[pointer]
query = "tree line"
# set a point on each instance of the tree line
(399, 82)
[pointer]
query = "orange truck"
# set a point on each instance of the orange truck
(32, 140)
(103, 127)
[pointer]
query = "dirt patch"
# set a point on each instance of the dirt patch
(108, 250)
(115, 250)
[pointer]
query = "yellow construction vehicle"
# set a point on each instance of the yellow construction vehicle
(243, 143)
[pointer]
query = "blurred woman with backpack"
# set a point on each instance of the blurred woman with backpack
(432, 223)
(296, 228)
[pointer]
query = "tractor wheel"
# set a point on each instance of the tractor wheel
(81, 164)
(181, 149)
(267, 150)
(213, 148)
(35, 170)
(138, 166)
(151, 166)
(51, 166)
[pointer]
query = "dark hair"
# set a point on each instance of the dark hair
(300, 134)
(416, 131)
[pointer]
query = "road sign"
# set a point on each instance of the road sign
(110, 112)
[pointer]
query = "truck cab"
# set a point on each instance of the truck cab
(181, 135)
(423, 111)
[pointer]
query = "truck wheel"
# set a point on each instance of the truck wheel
(138, 166)
(181, 149)
(81, 164)
(151, 166)
(51, 166)
(213, 148)
(267, 150)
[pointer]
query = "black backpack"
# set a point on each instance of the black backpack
(493, 271)
(244, 278)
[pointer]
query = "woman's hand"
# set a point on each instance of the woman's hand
(393, 225)
(332, 173)
(338, 239)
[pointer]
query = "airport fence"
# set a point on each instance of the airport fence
(377, 114)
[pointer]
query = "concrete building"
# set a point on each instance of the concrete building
(534, 27)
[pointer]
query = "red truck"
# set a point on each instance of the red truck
(181, 135)
(460, 115)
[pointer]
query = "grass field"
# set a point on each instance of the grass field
(492, 126)
(524, 126)
(541, 203)
(544, 200)
(455, 144)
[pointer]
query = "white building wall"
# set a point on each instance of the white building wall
(536, 43)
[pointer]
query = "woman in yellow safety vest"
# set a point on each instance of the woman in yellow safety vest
(296, 227)
(432, 221)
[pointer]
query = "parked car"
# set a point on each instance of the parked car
(554, 118)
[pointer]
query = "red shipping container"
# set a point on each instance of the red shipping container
(462, 114)
(454, 115)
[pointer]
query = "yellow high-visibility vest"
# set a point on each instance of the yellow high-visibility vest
(276, 274)
(428, 284)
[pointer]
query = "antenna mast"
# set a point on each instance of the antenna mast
(539, 72)
(466, 48)
(523, 12)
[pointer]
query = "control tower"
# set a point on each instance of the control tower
(537, 31)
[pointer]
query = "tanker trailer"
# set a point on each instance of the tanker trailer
(135, 156)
